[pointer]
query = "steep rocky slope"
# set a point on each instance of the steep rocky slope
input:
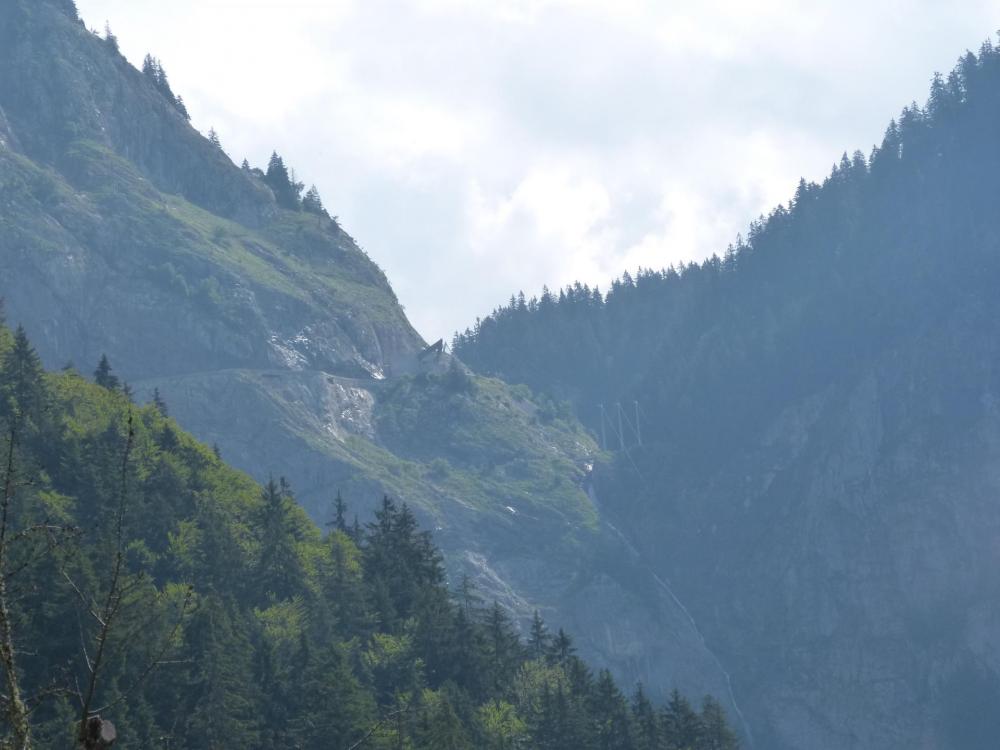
(270, 333)
(819, 466)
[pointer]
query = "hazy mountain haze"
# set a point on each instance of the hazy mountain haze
(477, 148)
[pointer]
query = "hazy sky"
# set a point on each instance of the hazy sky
(479, 147)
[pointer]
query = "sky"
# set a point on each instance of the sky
(476, 148)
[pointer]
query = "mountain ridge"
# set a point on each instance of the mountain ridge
(267, 331)
(819, 432)
(132, 117)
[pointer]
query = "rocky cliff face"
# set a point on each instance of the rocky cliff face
(857, 541)
(67, 90)
(270, 333)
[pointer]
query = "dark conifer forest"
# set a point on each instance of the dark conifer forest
(815, 289)
(148, 587)
(827, 378)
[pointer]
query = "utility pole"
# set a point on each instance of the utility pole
(638, 432)
(604, 436)
(621, 432)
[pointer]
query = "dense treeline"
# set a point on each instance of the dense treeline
(283, 183)
(288, 191)
(153, 69)
(710, 350)
(144, 582)
(869, 299)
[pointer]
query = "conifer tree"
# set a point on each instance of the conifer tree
(561, 649)
(609, 713)
(181, 107)
(716, 732)
(286, 191)
(538, 638)
(222, 693)
(468, 656)
(682, 726)
(312, 203)
(219, 556)
(103, 375)
(401, 562)
(332, 709)
(468, 596)
(278, 569)
(110, 37)
(503, 649)
(23, 384)
(647, 724)
(502, 728)
(340, 513)
(277, 172)
(16, 712)
(153, 69)
(568, 717)
(159, 403)
(441, 729)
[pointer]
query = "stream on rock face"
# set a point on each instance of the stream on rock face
(666, 587)
(729, 680)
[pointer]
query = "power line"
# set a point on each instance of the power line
(617, 424)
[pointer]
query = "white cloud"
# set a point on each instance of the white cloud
(563, 209)
(479, 147)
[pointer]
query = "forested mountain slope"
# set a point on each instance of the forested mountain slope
(818, 411)
(149, 592)
(267, 331)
